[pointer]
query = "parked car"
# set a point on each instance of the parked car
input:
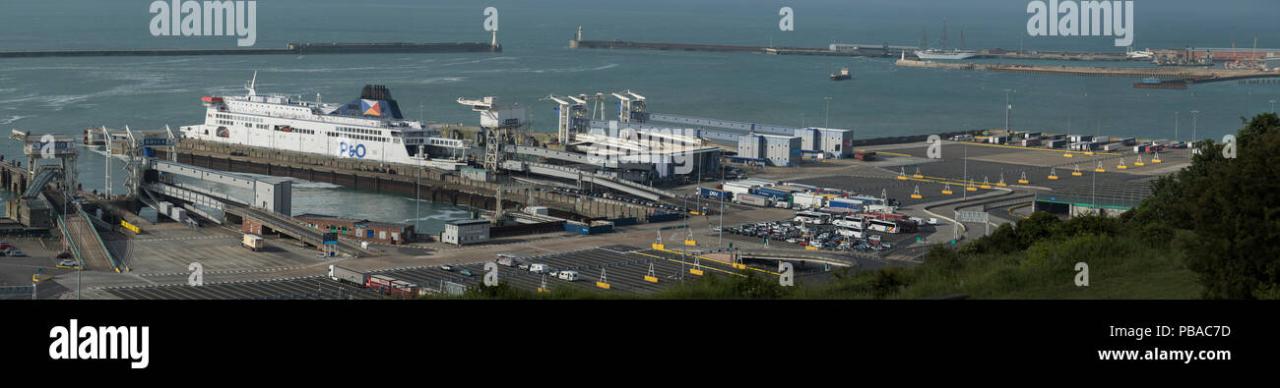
(68, 264)
(446, 267)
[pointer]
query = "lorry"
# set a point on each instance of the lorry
(751, 199)
(253, 242)
(774, 194)
(710, 193)
(339, 274)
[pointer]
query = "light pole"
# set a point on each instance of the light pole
(1195, 126)
(965, 184)
(827, 115)
(1008, 108)
(1175, 127)
(1273, 106)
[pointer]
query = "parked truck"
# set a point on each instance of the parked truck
(339, 274)
(753, 200)
(253, 242)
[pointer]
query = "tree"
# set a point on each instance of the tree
(1233, 208)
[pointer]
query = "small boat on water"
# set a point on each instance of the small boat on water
(842, 75)
(1158, 83)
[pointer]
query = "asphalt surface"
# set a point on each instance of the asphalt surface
(623, 267)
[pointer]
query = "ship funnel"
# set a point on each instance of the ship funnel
(376, 92)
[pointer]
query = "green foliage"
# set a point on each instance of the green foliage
(1232, 206)
(714, 286)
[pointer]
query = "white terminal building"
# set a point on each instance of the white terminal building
(777, 150)
(463, 232)
(826, 142)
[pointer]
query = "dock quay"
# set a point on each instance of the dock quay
(1190, 74)
(663, 46)
(436, 185)
(290, 49)
(841, 50)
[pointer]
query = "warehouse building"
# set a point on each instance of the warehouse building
(463, 232)
(777, 150)
(360, 229)
(782, 151)
(828, 142)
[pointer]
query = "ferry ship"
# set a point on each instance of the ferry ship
(368, 128)
(953, 55)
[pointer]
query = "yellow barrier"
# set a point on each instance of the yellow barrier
(690, 243)
(658, 246)
(602, 285)
(130, 227)
(651, 279)
(739, 266)
(695, 272)
(810, 248)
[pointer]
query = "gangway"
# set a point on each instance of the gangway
(45, 177)
(633, 189)
(565, 156)
(725, 124)
(287, 226)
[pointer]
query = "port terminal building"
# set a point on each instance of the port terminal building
(776, 150)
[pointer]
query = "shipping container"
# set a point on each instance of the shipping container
(802, 187)
(774, 194)
(846, 203)
(752, 199)
(706, 192)
(1080, 138)
(253, 242)
(595, 227)
(379, 282)
(737, 189)
(179, 213)
(1112, 146)
(807, 200)
(1057, 143)
(623, 221)
(666, 216)
(340, 274)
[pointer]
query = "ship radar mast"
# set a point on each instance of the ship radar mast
(250, 86)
